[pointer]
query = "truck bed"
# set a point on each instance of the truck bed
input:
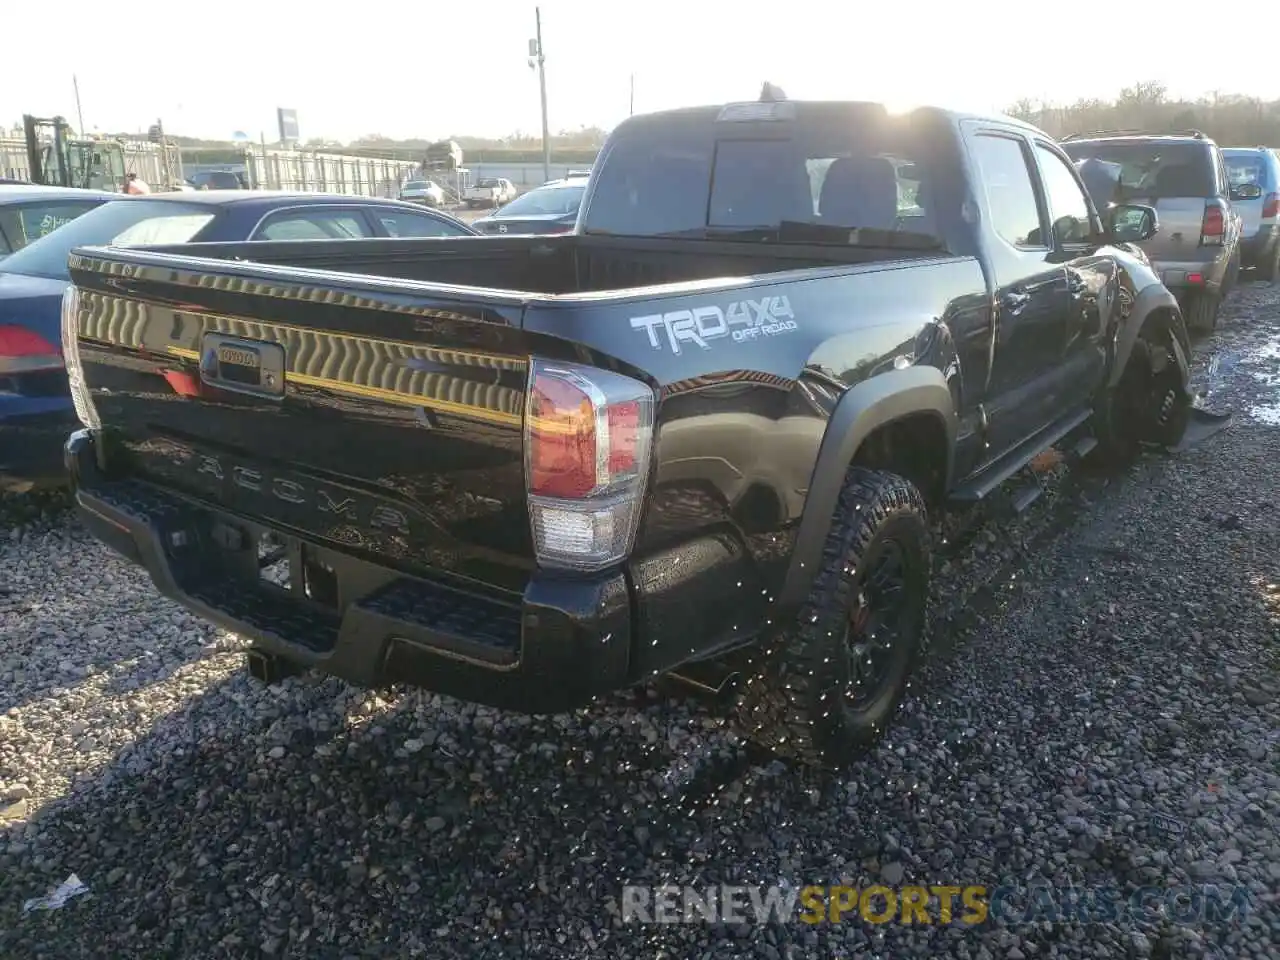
(539, 265)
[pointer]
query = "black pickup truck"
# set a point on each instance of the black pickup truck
(705, 428)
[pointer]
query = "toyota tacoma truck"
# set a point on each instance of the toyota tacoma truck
(705, 430)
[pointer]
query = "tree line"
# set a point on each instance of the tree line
(1231, 119)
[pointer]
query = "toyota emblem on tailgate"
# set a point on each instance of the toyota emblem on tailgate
(502, 228)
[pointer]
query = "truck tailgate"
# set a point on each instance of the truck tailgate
(388, 425)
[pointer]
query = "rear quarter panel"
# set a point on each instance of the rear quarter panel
(748, 374)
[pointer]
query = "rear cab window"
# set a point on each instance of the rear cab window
(1154, 168)
(844, 173)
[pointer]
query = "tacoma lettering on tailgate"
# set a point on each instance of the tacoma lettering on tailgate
(743, 320)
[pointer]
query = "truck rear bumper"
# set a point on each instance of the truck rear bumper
(1189, 275)
(564, 642)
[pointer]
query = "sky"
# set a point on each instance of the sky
(422, 69)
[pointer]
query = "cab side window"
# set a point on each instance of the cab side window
(1068, 206)
(1011, 196)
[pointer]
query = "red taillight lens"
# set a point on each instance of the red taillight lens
(24, 351)
(1271, 206)
(562, 439)
(1213, 226)
(588, 433)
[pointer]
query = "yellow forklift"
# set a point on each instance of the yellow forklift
(70, 161)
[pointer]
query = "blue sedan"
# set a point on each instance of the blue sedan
(35, 405)
(30, 211)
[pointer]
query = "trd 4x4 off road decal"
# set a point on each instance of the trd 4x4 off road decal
(743, 320)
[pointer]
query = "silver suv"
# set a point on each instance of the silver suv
(1249, 168)
(1196, 250)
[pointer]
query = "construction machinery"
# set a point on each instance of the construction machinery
(56, 156)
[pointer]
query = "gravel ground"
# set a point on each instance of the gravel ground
(1111, 656)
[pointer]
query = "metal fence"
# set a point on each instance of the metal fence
(269, 169)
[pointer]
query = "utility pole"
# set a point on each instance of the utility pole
(542, 83)
(79, 113)
(632, 110)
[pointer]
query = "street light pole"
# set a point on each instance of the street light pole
(542, 83)
(79, 113)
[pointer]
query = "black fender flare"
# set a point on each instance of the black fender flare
(875, 402)
(1153, 298)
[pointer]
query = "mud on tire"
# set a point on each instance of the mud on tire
(824, 689)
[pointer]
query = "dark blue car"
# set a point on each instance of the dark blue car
(35, 406)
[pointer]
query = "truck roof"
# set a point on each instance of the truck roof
(709, 112)
(1193, 136)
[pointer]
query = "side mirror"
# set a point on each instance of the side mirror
(1246, 191)
(1131, 223)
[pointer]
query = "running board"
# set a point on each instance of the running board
(982, 485)
(710, 677)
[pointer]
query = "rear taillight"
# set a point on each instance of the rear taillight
(1271, 206)
(25, 351)
(587, 438)
(80, 395)
(1213, 226)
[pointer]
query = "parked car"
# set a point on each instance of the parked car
(1249, 168)
(1197, 248)
(426, 192)
(35, 407)
(490, 192)
(29, 212)
(217, 180)
(701, 435)
(551, 208)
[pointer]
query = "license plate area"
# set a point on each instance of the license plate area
(254, 367)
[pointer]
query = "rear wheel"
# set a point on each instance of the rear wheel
(1232, 277)
(1269, 270)
(1202, 311)
(824, 690)
(1148, 404)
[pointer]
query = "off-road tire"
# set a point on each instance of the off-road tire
(794, 699)
(1146, 405)
(1202, 311)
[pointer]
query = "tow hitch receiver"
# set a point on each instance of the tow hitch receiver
(268, 668)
